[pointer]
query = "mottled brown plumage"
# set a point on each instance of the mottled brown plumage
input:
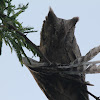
(59, 45)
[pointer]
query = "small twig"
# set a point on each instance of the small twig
(74, 69)
(97, 98)
(29, 31)
(90, 55)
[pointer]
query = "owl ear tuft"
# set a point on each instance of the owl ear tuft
(51, 16)
(74, 20)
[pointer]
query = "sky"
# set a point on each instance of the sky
(16, 82)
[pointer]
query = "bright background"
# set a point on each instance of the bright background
(16, 82)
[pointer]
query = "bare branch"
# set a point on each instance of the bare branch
(97, 98)
(90, 55)
(46, 69)
(93, 69)
(34, 63)
(89, 67)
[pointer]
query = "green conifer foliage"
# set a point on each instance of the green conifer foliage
(11, 30)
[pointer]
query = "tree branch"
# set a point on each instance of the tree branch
(32, 44)
(73, 69)
(90, 55)
(26, 39)
(97, 98)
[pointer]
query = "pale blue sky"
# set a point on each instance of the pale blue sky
(16, 82)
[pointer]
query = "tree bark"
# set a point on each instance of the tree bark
(58, 44)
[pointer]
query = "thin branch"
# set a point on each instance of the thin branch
(90, 55)
(34, 63)
(92, 69)
(75, 69)
(97, 98)
(31, 43)
(27, 40)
